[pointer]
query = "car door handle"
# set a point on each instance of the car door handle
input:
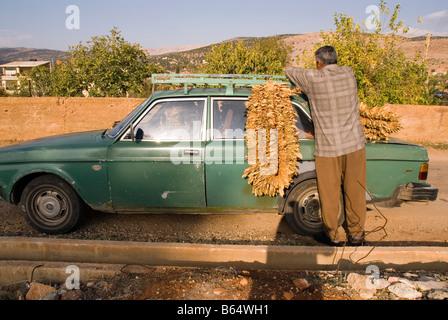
(191, 152)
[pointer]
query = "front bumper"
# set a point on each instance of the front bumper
(418, 192)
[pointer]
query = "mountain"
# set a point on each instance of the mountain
(173, 49)
(191, 61)
(25, 54)
(191, 58)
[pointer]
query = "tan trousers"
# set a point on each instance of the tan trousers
(350, 172)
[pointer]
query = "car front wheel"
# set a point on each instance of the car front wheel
(303, 209)
(50, 205)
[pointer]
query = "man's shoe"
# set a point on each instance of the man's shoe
(325, 239)
(357, 241)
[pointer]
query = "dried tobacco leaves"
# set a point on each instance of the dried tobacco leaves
(378, 122)
(271, 136)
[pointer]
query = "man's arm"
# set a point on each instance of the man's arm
(298, 77)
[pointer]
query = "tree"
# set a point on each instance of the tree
(266, 56)
(3, 92)
(383, 73)
(104, 66)
(41, 78)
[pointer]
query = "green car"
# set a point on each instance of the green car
(184, 151)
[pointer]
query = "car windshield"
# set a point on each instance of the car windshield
(113, 132)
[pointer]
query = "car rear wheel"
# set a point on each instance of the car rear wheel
(303, 209)
(50, 205)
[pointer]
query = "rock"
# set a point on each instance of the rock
(244, 282)
(402, 290)
(438, 295)
(408, 282)
(426, 278)
(366, 294)
(431, 285)
(393, 280)
(380, 284)
(356, 280)
(218, 291)
(359, 281)
(39, 291)
(301, 284)
(411, 275)
(362, 285)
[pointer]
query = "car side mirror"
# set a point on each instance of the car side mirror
(139, 134)
(136, 136)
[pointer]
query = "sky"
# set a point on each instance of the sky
(58, 24)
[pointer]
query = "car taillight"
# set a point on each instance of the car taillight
(423, 175)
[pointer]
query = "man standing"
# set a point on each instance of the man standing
(339, 142)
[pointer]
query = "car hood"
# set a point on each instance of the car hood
(83, 146)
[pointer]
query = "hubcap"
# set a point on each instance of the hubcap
(50, 204)
(310, 208)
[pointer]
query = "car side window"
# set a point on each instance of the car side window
(229, 119)
(176, 120)
(305, 128)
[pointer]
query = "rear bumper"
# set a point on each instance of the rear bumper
(418, 192)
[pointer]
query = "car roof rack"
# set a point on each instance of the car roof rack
(230, 81)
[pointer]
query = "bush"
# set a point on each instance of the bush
(3, 92)
(267, 56)
(383, 73)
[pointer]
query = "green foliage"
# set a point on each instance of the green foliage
(383, 73)
(42, 81)
(265, 56)
(23, 88)
(106, 66)
(3, 92)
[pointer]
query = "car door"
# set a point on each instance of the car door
(225, 158)
(159, 161)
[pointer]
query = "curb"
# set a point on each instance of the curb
(209, 255)
(16, 272)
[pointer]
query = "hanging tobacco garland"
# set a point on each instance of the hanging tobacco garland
(378, 122)
(272, 141)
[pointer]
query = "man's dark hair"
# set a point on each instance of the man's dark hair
(327, 55)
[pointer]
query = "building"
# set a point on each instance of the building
(10, 72)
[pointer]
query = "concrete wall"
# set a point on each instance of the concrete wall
(422, 124)
(29, 118)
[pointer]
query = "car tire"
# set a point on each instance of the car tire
(50, 205)
(303, 210)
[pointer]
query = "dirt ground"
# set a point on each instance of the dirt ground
(413, 223)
